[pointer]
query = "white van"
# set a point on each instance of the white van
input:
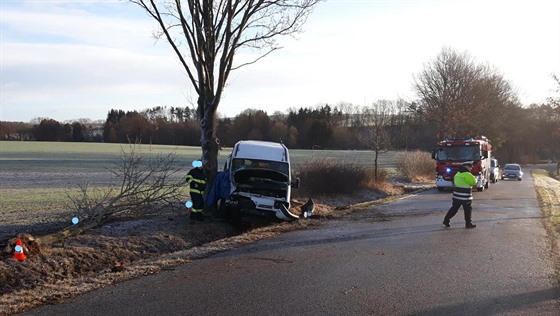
(261, 180)
(495, 173)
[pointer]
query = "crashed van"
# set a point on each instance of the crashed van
(260, 179)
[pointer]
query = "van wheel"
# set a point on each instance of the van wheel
(233, 214)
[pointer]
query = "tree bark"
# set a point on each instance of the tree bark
(50, 239)
(208, 140)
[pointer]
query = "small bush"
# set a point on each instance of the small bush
(416, 165)
(323, 176)
(382, 174)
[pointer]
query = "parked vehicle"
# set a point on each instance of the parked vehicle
(495, 172)
(451, 153)
(512, 171)
(261, 180)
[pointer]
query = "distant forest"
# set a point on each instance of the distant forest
(523, 134)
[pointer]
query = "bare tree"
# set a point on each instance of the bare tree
(210, 33)
(373, 133)
(457, 94)
(554, 101)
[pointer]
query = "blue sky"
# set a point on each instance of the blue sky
(78, 59)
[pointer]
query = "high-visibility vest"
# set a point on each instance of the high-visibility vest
(463, 183)
(196, 181)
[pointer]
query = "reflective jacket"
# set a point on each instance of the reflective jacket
(196, 181)
(463, 183)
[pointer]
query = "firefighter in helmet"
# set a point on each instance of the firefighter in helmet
(197, 183)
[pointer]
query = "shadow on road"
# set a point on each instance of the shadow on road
(522, 304)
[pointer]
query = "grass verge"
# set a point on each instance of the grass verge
(548, 192)
(548, 195)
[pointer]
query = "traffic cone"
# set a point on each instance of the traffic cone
(18, 253)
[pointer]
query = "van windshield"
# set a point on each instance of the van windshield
(240, 163)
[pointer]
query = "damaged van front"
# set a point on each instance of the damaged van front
(260, 179)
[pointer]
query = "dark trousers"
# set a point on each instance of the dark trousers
(198, 202)
(455, 207)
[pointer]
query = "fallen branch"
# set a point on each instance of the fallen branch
(142, 185)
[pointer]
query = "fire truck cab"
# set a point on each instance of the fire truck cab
(451, 153)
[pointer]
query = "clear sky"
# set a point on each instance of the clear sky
(76, 59)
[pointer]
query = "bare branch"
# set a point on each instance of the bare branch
(456, 94)
(372, 132)
(141, 186)
(206, 35)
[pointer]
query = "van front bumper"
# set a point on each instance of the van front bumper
(261, 206)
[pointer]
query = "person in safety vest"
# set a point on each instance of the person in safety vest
(197, 183)
(462, 195)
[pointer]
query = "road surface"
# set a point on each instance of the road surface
(393, 259)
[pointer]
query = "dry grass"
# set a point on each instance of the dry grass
(321, 176)
(123, 249)
(548, 194)
(548, 191)
(416, 166)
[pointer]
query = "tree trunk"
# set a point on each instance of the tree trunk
(72, 231)
(376, 156)
(208, 140)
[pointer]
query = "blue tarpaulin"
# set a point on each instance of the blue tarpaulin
(220, 188)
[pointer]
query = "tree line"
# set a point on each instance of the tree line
(520, 133)
(457, 97)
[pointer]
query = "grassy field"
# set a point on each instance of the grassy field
(58, 156)
(38, 174)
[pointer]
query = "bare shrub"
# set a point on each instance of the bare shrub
(323, 176)
(141, 186)
(416, 165)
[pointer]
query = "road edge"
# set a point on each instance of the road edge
(548, 197)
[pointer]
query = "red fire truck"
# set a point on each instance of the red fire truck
(451, 153)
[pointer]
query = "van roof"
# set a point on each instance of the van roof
(255, 149)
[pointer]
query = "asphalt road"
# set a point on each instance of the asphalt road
(394, 259)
